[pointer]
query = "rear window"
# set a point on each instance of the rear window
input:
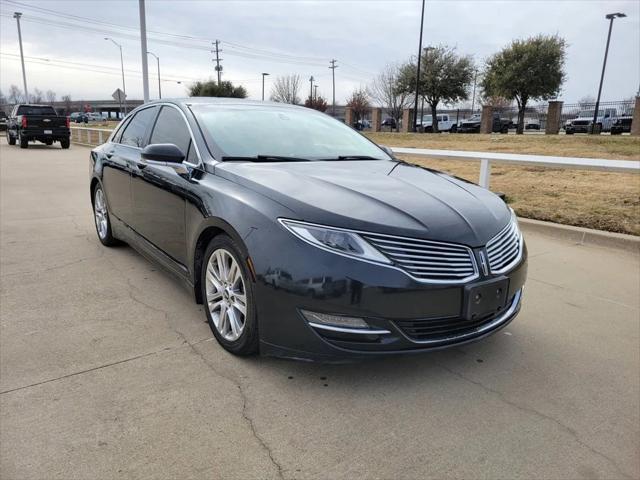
(35, 110)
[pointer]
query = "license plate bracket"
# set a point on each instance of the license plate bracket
(486, 298)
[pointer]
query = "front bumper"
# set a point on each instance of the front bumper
(387, 299)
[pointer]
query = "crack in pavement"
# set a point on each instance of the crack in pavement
(55, 267)
(573, 433)
(245, 415)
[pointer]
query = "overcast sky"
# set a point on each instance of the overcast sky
(67, 52)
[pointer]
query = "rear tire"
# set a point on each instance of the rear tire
(10, 139)
(227, 291)
(101, 217)
(24, 143)
(64, 143)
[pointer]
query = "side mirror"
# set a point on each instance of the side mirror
(162, 152)
(387, 150)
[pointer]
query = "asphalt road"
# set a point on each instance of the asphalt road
(108, 370)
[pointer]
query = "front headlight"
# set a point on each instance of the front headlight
(335, 240)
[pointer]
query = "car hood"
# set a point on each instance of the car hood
(378, 196)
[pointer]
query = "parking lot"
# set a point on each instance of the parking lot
(108, 369)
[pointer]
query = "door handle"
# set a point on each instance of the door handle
(141, 166)
(109, 154)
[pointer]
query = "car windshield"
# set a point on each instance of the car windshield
(267, 131)
(586, 113)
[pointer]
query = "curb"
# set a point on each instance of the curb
(582, 236)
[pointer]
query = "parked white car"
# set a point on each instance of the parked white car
(446, 123)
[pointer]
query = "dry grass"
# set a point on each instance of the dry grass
(621, 147)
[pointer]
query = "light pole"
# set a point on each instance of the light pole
(17, 16)
(415, 105)
(158, 62)
(264, 74)
(473, 99)
(311, 79)
(315, 91)
(611, 17)
(143, 51)
(124, 88)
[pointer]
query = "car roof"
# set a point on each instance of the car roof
(224, 101)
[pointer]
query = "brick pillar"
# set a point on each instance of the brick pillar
(486, 119)
(376, 119)
(407, 120)
(635, 123)
(348, 116)
(554, 117)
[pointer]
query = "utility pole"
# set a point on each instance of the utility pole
(218, 59)
(611, 17)
(415, 105)
(311, 89)
(124, 88)
(473, 98)
(143, 47)
(315, 92)
(263, 75)
(158, 61)
(17, 16)
(333, 75)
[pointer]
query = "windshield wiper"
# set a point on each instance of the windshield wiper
(354, 157)
(264, 158)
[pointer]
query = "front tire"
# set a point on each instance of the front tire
(228, 297)
(101, 217)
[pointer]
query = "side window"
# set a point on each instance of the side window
(171, 128)
(134, 133)
(118, 135)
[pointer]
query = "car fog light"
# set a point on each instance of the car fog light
(334, 320)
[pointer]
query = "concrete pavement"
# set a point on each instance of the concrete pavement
(108, 369)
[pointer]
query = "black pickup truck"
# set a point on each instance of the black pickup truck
(28, 123)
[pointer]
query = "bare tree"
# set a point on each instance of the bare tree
(67, 103)
(285, 89)
(51, 96)
(3, 99)
(385, 91)
(359, 103)
(15, 94)
(587, 101)
(36, 96)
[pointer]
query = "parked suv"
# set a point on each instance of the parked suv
(583, 121)
(29, 123)
(445, 123)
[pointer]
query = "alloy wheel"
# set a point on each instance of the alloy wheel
(226, 294)
(100, 213)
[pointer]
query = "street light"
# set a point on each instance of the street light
(611, 17)
(415, 105)
(124, 88)
(158, 61)
(17, 16)
(264, 74)
(315, 91)
(311, 79)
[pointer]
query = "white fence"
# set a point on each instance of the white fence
(90, 136)
(97, 136)
(487, 158)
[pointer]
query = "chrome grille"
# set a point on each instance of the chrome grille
(505, 248)
(426, 260)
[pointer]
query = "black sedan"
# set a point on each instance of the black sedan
(301, 237)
